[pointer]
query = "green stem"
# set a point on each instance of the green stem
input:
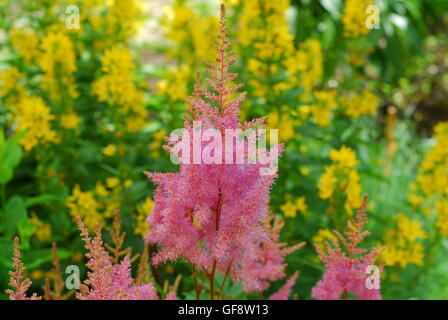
(3, 194)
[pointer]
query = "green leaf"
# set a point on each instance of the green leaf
(12, 153)
(14, 212)
(26, 230)
(2, 140)
(334, 7)
(43, 198)
(35, 258)
(109, 169)
(5, 174)
(6, 252)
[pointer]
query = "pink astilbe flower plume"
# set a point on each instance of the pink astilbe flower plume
(108, 281)
(17, 278)
(346, 272)
(268, 261)
(212, 214)
(285, 291)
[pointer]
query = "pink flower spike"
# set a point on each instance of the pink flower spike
(347, 274)
(285, 291)
(213, 215)
(17, 279)
(107, 281)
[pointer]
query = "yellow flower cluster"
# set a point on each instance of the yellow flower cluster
(117, 88)
(264, 24)
(306, 66)
(58, 62)
(192, 35)
(9, 81)
(34, 117)
(122, 18)
(114, 20)
(432, 181)
(144, 211)
(110, 150)
(110, 194)
(84, 205)
(42, 230)
(26, 43)
(70, 120)
(284, 123)
(95, 206)
(354, 18)
(192, 31)
(91, 13)
(324, 235)
(175, 82)
(401, 245)
(358, 104)
(323, 106)
(157, 143)
(276, 65)
(290, 208)
(341, 180)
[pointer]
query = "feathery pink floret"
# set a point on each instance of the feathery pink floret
(285, 291)
(268, 261)
(341, 279)
(17, 279)
(212, 214)
(171, 296)
(107, 281)
(346, 274)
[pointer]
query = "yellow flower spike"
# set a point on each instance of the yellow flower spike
(354, 18)
(26, 42)
(323, 107)
(342, 178)
(358, 104)
(402, 246)
(344, 157)
(34, 117)
(327, 183)
(9, 79)
(432, 182)
(58, 62)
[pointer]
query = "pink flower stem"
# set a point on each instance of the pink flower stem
(350, 249)
(224, 280)
(195, 279)
(212, 274)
